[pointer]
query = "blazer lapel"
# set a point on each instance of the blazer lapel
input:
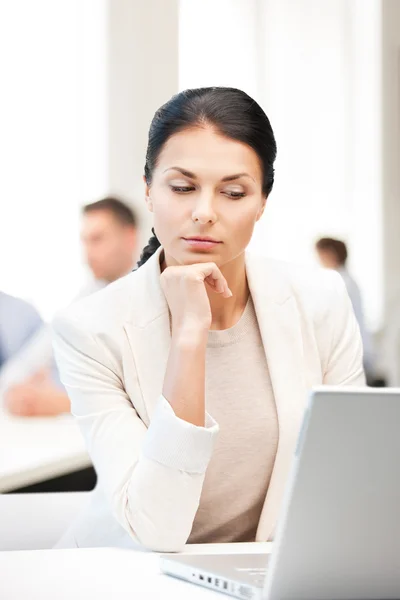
(280, 329)
(149, 338)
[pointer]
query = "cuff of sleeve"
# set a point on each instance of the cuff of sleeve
(178, 444)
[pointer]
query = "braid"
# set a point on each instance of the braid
(149, 250)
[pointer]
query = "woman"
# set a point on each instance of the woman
(189, 376)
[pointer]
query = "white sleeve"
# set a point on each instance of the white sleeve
(152, 477)
(343, 360)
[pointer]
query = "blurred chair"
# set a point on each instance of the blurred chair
(37, 521)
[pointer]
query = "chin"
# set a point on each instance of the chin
(192, 257)
(196, 258)
(99, 275)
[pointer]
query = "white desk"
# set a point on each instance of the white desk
(34, 449)
(101, 573)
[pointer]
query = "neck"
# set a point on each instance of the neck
(227, 312)
(128, 268)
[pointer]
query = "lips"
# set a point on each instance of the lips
(202, 239)
(201, 243)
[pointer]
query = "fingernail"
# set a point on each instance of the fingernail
(230, 293)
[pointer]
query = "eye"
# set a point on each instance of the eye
(180, 189)
(232, 194)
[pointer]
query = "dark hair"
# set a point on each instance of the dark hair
(120, 210)
(149, 250)
(337, 247)
(230, 111)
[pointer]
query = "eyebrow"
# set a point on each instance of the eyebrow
(193, 176)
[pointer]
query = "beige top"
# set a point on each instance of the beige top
(239, 396)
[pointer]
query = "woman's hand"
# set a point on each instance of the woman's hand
(185, 288)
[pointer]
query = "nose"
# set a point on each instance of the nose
(204, 209)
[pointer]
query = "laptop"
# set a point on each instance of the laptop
(338, 535)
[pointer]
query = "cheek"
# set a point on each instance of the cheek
(167, 217)
(163, 215)
(244, 221)
(169, 207)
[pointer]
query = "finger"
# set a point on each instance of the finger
(215, 284)
(208, 270)
(227, 292)
(219, 286)
(222, 285)
(220, 281)
(212, 272)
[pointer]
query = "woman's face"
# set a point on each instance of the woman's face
(206, 196)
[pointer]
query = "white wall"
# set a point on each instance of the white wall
(391, 186)
(93, 106)
(218, 44)
(81, 80)
(306, 99)
(323, 73)
(41, 152)
(315, 69)
(142, 75)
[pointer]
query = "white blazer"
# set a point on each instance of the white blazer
(112, 351)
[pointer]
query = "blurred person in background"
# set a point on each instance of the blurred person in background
(333, 254)
(19, 321)
(38, 389)
(109, 238)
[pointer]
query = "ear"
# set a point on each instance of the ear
(262, 208)
(149, 201)
(132, 236)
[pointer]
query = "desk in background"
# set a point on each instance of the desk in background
(102, 574)
(37, 449)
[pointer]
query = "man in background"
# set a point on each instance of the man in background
(333, 254)
(109, 239)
